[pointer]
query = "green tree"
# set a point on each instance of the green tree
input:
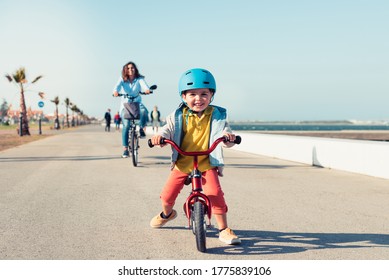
(4, 109)
(19, 78)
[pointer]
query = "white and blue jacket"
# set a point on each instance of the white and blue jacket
(132, 89)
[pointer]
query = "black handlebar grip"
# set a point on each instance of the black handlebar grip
(238, 140)
(160, 142)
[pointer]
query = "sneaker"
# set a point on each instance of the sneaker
(158, 221)
(142, 133)
(125, 154)
(228, 236)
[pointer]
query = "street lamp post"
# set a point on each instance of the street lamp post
(40, 124)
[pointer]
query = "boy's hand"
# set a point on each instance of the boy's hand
(231, 137)
(156, 140)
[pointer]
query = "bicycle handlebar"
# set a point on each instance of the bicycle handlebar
(224, 139)
(152, 88)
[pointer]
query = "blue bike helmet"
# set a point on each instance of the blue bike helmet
(196, 78)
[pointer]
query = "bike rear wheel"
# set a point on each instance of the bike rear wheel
(134, 147)
(199, 225)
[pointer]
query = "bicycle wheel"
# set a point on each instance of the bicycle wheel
(199, 225)
(134, 147)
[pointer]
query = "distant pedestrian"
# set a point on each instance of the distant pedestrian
(117, 119)
(107, 118)
(155, 117)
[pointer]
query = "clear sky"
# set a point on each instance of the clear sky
(272, 60)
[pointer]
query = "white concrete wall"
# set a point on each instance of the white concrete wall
(363, 157)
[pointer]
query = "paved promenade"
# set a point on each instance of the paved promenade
(71, 196)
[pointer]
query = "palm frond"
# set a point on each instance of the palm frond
(20, 75)
(36, 79)
(55, 100)
(9, 78)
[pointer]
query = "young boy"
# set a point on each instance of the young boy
(194, 125)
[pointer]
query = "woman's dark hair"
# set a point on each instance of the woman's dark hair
(125, 76)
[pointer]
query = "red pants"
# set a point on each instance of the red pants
(211, 187)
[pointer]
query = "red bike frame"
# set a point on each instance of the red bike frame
(196, 194)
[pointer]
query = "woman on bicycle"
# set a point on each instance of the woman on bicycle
(132, 83)
(193, 126)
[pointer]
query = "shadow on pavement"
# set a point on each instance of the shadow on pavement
(276, 243)
(271, 242)
(158, 160)
(262, 166)
(67, 158)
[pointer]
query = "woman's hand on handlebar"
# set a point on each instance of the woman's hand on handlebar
(150, 90)
(115, 93)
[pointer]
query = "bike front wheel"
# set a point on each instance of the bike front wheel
(199, 225)
(134, 147)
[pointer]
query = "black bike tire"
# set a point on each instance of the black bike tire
(199, 225)
(134, 148)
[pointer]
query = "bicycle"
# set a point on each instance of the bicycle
(133, 136)
(197, 204)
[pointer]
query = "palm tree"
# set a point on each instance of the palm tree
(74, 109)
(19, 78)
(67, 104)
(78, 116)
(82, 117)
(56, 122)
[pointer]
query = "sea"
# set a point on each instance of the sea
(258, 126)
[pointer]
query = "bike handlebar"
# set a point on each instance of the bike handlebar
(129, 96)
(152, 88)
(224, 139)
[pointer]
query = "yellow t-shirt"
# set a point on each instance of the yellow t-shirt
(196, 138)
